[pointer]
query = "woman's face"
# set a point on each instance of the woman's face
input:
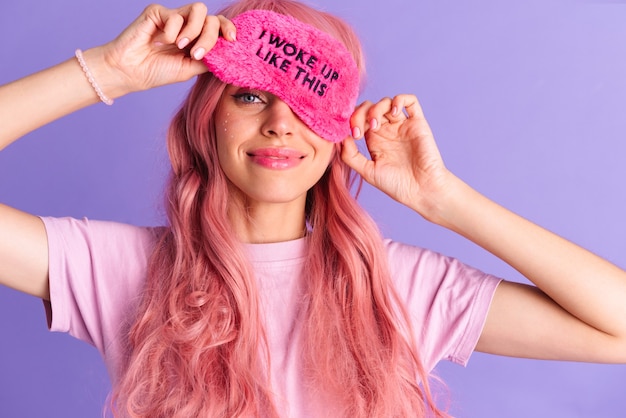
(265, 150)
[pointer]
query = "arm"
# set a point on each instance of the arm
(58, 91)
(23, 252)
(161, 46)
(578, 310)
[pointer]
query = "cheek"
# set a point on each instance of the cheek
(328, 151)
(231, 134)
(224, 126)
(224, 135)
(325, 157)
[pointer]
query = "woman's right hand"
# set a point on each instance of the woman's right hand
(164, 46)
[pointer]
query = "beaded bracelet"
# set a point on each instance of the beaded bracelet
(92, 81)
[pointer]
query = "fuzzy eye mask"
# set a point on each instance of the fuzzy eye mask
(308, 69)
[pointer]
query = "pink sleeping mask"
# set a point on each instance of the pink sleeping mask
(308, 69)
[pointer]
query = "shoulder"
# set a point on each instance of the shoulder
(99, 247)
(403, 256)
(446, 299)
(92, 232)
(414, 268)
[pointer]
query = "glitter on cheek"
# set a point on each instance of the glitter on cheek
(225, 122)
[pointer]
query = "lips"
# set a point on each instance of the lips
(276, 158)
(278, 153)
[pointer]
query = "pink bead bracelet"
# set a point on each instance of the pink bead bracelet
(92, 81)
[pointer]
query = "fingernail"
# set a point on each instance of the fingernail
(198, 53)
(374, 123)
(232, 35)
(183, 43)
(158, 43)
(356, 133)
(394, 111)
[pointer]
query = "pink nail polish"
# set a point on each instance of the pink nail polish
(198, 53)
(356, 133)
(374, 123)
(182, 43)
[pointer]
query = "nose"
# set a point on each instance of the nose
(279, 120)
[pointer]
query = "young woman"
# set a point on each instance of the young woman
(270, 292)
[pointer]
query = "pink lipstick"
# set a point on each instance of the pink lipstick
(276, 158)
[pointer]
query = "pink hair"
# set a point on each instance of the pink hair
(198, 346)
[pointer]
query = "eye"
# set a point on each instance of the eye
(248, 97)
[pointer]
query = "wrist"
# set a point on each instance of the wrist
(94, 84)
(444, 200)
(462, 209)
(111, 81)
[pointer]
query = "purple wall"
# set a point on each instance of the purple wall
(526, 99)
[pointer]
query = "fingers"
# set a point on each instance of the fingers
(351, 155)
(190, 27)
(206, 31)
(196, 15)
(373, 116)
(207, 37)
(409, 103)
(368, 116)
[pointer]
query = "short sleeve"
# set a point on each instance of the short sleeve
(96, 272)
(447, 301)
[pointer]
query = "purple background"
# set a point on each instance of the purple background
(527, 103)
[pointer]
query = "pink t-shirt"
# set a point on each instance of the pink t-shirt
(97, 273)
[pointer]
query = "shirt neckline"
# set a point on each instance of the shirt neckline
(278, 251)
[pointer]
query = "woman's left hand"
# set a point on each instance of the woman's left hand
(405, 161)
(582, 318)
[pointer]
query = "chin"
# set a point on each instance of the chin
(277, 199)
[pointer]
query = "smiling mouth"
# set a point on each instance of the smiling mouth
(275, 157)
(276, 154)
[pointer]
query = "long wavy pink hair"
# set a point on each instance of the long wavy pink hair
(198, 347)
